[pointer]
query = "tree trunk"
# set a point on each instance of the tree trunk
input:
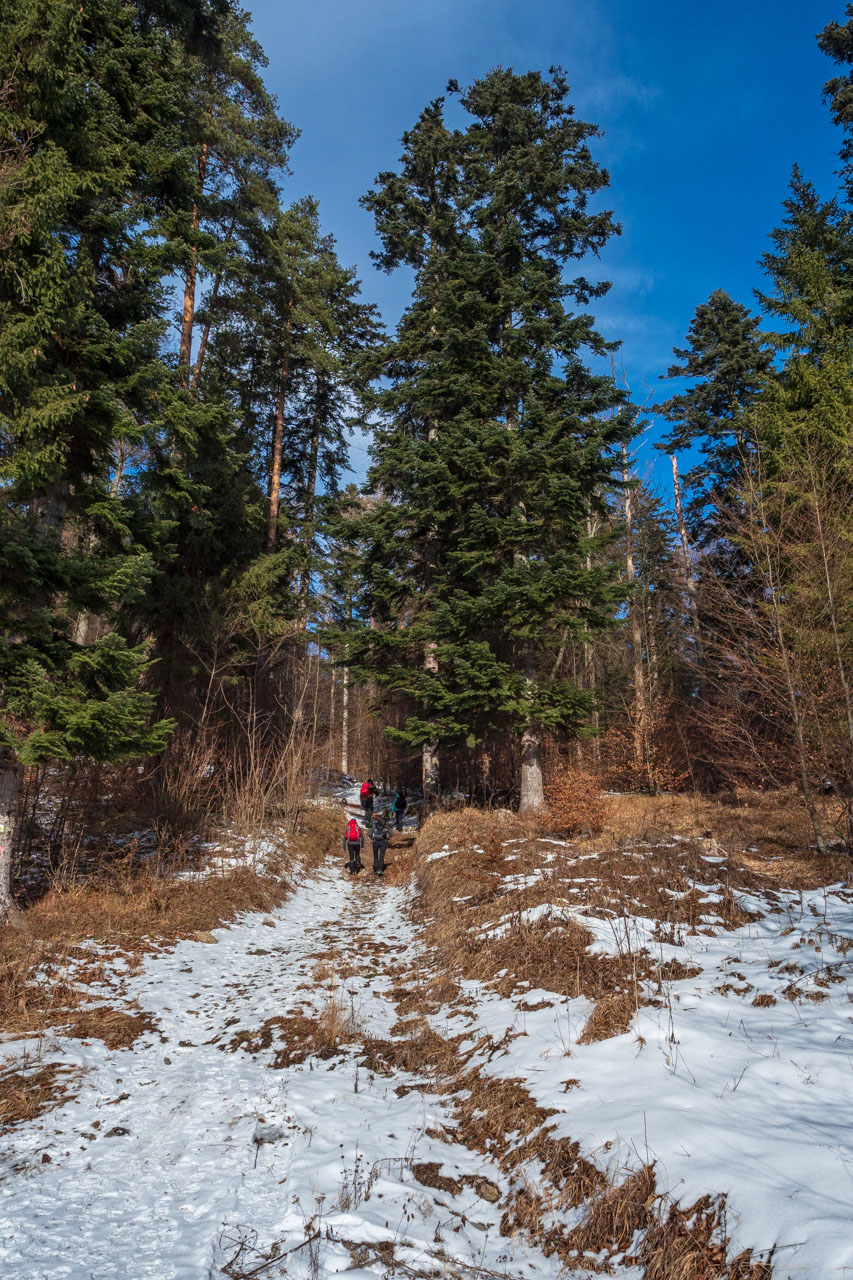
(430, 760)
(430, 763)
(641, 700)
(310, 496)
(278, 436)
(773, 585)
(589, 671)
(345, 724)
(205, 339)
(532, 785)
(689, 580)
(837, 647)
(10, 792)
(188, 313)
(205, 333)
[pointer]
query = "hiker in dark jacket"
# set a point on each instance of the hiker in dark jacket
(399, 807)
(379, 839)
(353, 845)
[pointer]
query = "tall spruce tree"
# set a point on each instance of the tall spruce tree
(729, 360)
(497, 439)
(80, 329)
(218, 199)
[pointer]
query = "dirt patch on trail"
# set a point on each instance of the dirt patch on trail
(299, 1036)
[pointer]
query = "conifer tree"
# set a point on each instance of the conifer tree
(729, 359)
(498, 438)
(80, 331)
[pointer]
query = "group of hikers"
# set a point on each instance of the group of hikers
(379, 826)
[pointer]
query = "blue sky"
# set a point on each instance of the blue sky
(704, 109)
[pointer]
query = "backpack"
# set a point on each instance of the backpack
(365, 790)
(353, 832)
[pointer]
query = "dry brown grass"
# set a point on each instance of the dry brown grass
(27, 1091)
(299, 1036)
(475, 906)
(629, 1222)
(118, 1028)
(767, 830)
(474, 903)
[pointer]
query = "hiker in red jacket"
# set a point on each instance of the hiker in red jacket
(369, 789)
(353, 845)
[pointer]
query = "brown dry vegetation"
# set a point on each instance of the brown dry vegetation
(28, 1091)
(769, 831)
(681, 861)
(476, 905)
(472, 906)
(550, 1181)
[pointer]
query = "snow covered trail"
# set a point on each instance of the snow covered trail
(190, 1152)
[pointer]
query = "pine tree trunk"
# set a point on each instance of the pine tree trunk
(532, 785)
(430, 760)
(278, 437)
(310, 497)
(589, 671)
(204, 340)
(10, 793)
(205, 333)
(188, 313)
(430, 763)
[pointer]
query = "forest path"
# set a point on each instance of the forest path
(260, 1118)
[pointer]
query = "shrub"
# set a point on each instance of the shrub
(575, 801)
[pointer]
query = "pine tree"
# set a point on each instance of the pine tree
(498, 438)
(836, 40)
(729, 358)
(80, 330)
(809, 267)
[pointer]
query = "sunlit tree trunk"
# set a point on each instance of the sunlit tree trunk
(188, 312)
(278, 437)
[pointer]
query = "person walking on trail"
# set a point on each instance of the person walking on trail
(353, 845)
(379, 839)
(369, 789)
(399, 807)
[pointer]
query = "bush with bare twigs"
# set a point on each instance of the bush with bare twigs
(575, 801)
